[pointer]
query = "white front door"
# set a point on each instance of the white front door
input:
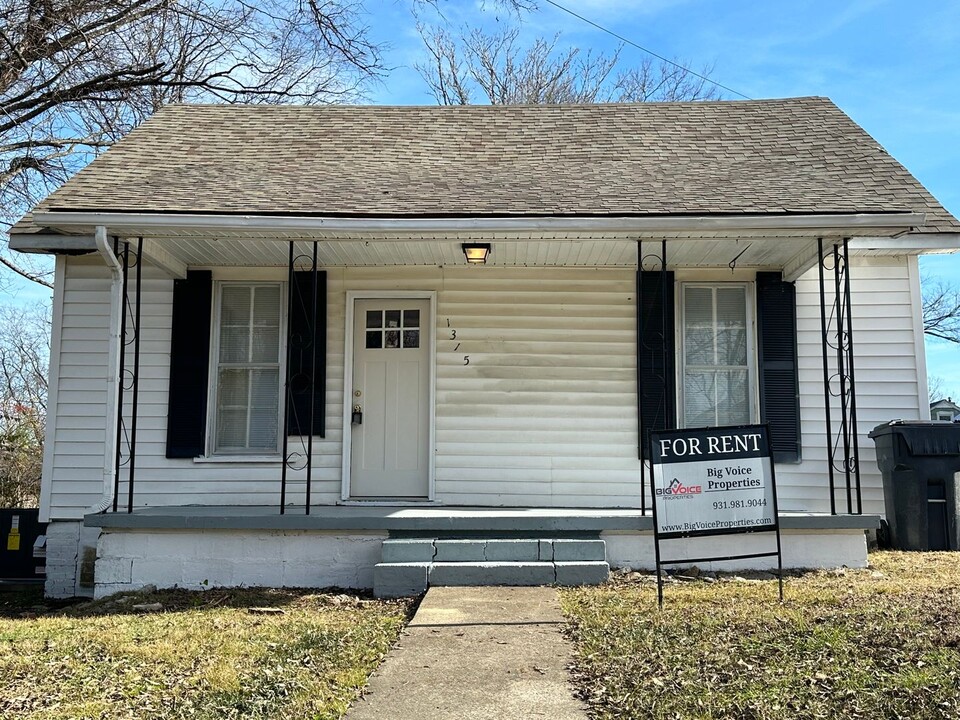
(389, 449)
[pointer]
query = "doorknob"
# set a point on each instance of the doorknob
(357, 417)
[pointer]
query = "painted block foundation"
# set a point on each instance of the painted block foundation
(71, 552)
(813, 549)
(201, 559)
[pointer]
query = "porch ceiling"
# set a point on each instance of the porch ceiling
(787, 242)
(512, 252)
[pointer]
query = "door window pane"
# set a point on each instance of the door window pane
(392, 329)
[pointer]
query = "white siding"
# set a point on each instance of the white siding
(544, 414)
(887, 379)
(73, 463)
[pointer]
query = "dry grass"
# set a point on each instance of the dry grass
(877, 643)
(204, 656)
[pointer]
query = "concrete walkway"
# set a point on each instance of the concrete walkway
(477, 653)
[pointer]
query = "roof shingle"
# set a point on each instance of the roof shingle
(799, 155)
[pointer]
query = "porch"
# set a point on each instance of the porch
(401, 550)
(406, 520)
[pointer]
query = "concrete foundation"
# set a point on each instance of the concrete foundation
(203, 547)
(201, 559)
(71, 553)
(810, 549)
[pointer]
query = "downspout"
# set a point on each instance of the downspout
(113, 369)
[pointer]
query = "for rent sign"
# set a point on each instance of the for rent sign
(713, 481)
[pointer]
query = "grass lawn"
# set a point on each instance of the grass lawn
(205, 655)
(877, 643)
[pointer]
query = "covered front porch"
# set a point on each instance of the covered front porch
(400, 550)
(552, 347)
(405, 520)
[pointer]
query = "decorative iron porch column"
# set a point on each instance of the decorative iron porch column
(300, 382)
(652, 340)
(128, 380)
(839, 379)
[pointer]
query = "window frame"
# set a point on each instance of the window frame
(753, 399)
(214, 366)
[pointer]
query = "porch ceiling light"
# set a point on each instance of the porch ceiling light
(476, 253)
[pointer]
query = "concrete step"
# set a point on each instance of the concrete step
(413, 578)
(518, 573)
(411, 565)
(419, 550)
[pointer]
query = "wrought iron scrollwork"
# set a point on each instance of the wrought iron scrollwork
(300, 383)
(839, 380)
(128, 380)
(648, 262)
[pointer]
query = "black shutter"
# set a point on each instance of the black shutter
(301, 338)
(189, 363)
(656, 373)
(777, 351)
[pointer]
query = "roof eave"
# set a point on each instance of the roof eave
(884, 224)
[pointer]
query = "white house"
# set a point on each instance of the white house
(946, 410)
(271, 352)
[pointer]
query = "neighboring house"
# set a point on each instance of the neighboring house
(647, 266)
(946, 410)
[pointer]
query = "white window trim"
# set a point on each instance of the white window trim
(753, 365)
(258, 455)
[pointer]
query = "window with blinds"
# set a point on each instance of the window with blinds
(717, 377)
(247, 403)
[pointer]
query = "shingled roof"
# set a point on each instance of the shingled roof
(799, 155)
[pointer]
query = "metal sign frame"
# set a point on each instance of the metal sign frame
(657, 537)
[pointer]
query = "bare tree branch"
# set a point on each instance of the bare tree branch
(941, 310)
(76, 75)
(24, 355)
(502, 69)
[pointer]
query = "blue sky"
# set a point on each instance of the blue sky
(892, 65)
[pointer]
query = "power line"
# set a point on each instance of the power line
(622, 39)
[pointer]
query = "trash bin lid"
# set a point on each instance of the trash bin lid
(923, 437)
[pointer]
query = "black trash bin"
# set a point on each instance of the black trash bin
(918, 460)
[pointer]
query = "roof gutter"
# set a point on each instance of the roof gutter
(660, 224)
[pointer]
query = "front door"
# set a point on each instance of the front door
(389, 452)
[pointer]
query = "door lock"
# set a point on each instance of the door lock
(357, 417)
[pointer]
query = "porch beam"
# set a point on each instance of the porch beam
(804, 260)
(910, 241)
(153, 250)
(892, 222)
(52, 243)
(158, 255)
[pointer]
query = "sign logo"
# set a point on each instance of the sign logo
(678, 489)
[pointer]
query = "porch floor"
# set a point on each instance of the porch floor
(403, 519)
